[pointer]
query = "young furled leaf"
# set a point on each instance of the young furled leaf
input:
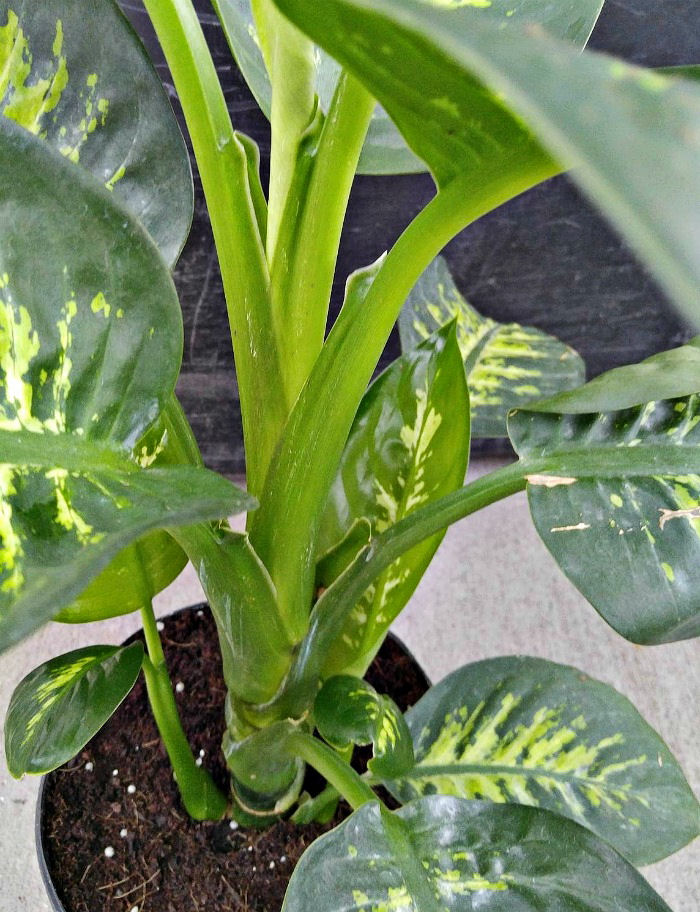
(444, 854)
(349, 711)
(409, 444)
(507, 364)
(527, 731)
(60, 705)
(619, 507)
(111, 118)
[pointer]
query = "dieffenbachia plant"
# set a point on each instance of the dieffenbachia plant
(524, 784)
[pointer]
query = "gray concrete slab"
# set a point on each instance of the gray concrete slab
(492, 590)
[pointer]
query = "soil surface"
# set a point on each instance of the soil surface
(116, 836)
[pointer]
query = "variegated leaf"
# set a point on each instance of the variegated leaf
(60, 705)
(408, 445)
(146, 567)
(76, 75)
(507, 364)
(90, 346)
(444, 854)
(349, 711)
(619, 508)
(527, 731)
(385, 151)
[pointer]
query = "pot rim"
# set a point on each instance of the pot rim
(54, 900)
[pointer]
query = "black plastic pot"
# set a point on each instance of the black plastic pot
(55, 902)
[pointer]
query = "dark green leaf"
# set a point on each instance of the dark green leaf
(76, 75)
(445, 854)
(409, 444)
(350, 711)
(527, 731)
(426, 65)
(90, 346)
(60, 705)
(146, 567)
(619, 506)
(507, 364)
(385, 151)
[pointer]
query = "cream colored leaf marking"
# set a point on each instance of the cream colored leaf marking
(51, 690)
(685, 491)
(455, 4)
(579, 527)
(549, 481)
(500, 763)
(28, 98)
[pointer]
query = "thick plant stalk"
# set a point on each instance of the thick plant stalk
(332, 767)
(285, 528)
(201, 797)
(223, 167)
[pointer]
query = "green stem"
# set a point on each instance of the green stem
(202, 799)
(320, 809)
(285, 528)
(333, 768)
(223, 167)
(303, 277)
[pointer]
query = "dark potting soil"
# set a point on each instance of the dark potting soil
(116, 836)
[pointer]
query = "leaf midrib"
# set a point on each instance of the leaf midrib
(614, 461)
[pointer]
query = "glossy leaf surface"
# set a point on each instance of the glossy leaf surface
(60, 705)
(621, 514)
(76, 75)
(349, 711)
(426, 65)
(526, 731)
(444, 854)
(146, 567)
(90, 346)
(408, 445)
(385, 151)
(507, 364)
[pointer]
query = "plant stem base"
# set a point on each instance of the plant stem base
(166, 860)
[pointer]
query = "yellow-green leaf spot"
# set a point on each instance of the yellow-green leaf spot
(31, 90)
(501, 762)
(397, 899)
(11, 552)
(668, 570)
(616, 500)
(50, 691)
(23, 100)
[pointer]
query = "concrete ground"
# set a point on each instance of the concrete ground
(492, 590)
